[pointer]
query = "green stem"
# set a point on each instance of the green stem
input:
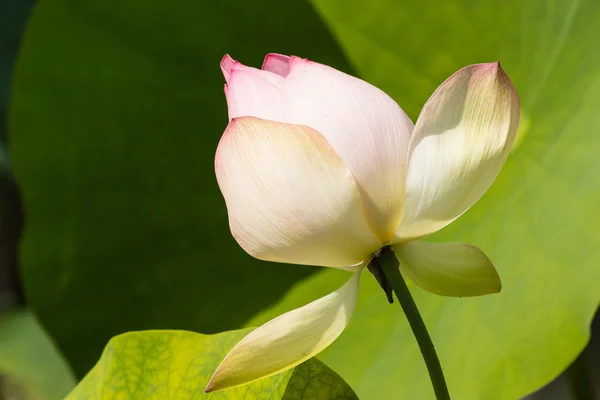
(389, 264)
(578, 379)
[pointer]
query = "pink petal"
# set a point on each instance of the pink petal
(277, 63)
(248, 94)
(368, 130)
(365, 126)
(227, 64)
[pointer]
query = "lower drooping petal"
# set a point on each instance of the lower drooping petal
(287, 340)
(289, 196)
(460, 142)
(448, 269)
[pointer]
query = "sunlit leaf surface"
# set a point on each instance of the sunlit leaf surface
(177, 365)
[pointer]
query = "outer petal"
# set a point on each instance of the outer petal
(448, 269)
(289, 196)
(365, 126)
(460, 142)
(287, 340)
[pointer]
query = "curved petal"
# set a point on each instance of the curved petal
(248, 94)
(289, 196)
(368, 130)
(287, 340)
(277, 63)
(448, 269)
(228, 65)
(460, 142)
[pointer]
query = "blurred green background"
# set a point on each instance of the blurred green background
(115, 111)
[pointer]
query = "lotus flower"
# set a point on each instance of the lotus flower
(320, 168)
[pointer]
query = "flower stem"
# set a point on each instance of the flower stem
(389, 264)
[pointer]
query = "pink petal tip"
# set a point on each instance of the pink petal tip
(227, 64)
(277, 63)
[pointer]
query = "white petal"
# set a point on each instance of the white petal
(460, 142)
(289, 196)
(364, 125)
(448, 269)
(287, 340)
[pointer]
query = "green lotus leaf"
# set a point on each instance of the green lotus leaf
(116, 111)
(538, 223)
(113, 128)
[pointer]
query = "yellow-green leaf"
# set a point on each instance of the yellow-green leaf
(177, 365)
